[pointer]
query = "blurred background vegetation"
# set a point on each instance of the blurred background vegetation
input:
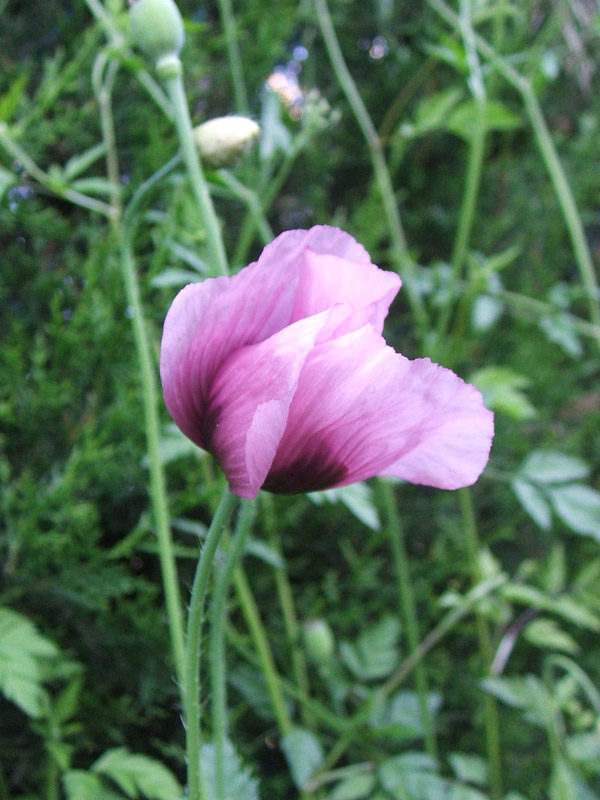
(77, 549)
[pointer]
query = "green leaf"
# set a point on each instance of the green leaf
(562, 605)
(358, 499)
(527, 693)
(546, 634)
(24, 657)
(239, 783)
(550, 466)
(274, 134)
(501, 389)
(375, 653)
(81, 785)
(261, 550)
(354, 787)
(432, 112)
(304, 754)
(10, 99)
(469, 768)
(400, 716)
(579, 507)
(66, 704)
(174, 277)
(138, 774)
(94, 186)
(560, 330)
(534, 503)
(7, 179)
(463, 119)
(78, 164)
(413, 776)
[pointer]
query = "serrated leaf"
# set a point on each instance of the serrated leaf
(239, 783)
(533, 502)
(550, 466)
(413, 776)
(525, 692)
(82, 785)
(303, 753)
(138, 774)
(375, 653)
(24, 654)
(400, 716)
(355, 787)
(579, 507)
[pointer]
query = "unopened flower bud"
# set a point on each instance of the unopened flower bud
(157, 28)
(223, 139)
(318, 641)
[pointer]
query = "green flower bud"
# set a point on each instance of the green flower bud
(157, 28)
(318, 641)
(223, 139)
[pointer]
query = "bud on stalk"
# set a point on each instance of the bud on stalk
(157, 28)
(223, 139)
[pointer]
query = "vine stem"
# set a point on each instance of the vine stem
(191, 684)
(171, 72)
(218, 664)
(382, 174)
(407, 604)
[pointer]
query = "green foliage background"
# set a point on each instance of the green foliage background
(77, 547)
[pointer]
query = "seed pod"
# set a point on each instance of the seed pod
(157, 28)
(223, 139)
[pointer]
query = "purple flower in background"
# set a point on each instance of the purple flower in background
(282, 373)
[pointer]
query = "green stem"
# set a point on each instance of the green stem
(158, 491)
(473, 174)
(233, 55)
(382, 176)
(531, 307)
(171, 72)
(395, 533)
(288, 609)
(252, 202)
(56, 187)
(263, 650)
(103, 86)
(407, 605)
(550, 157)
(490, 707)
(191, 684)
(218, 619)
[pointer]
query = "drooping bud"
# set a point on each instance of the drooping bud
(318, 641)
(157, 28)
(223, 139)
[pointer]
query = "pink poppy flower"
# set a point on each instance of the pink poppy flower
(281, 372)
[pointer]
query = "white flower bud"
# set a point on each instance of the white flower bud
(223, 139)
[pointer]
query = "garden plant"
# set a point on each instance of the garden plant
(299, 400)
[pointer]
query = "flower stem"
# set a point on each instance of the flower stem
(191, 684)
(263, 650)
(407, 605)
(286, 602)
(474, 170)
(490, 707)
(158, 491)
(382, 176)
(233, 54)
(172, 76)
(218, 666)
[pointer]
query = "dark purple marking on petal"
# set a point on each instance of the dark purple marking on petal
(310, 472)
